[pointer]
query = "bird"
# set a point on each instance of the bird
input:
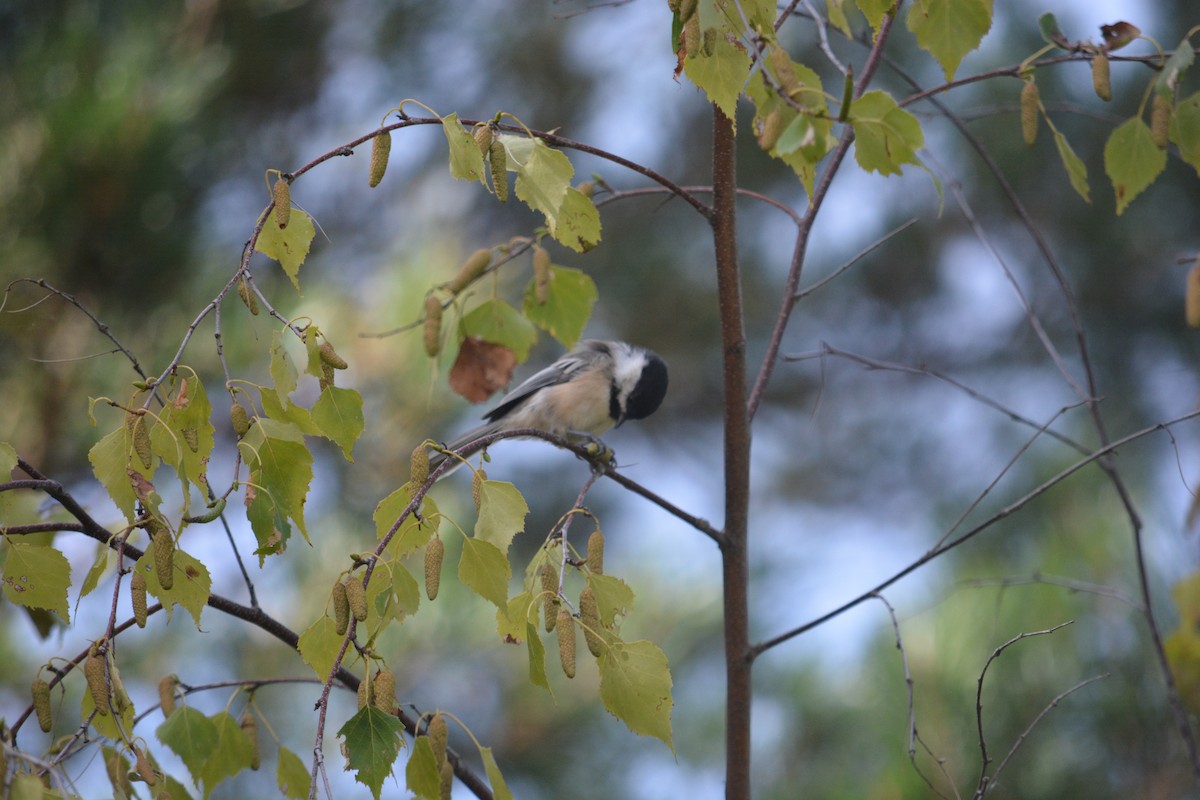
(588, 391)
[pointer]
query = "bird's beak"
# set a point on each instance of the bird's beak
(620, 421)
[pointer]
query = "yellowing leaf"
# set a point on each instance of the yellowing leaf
(190, 589)
(182, 423)
(543, 173)
(498, 322)
(373, 741)
(466, 162)
(292, 776)
(319, 646)
(511, 620)
(413, 534)
(537, 657)
(614, 598)
(283, 369)
(886, 135)
(36, 576)
(722, 75)
(1132, 160)
(837, 16)
(289, 246)
(577, 223)
(635, 686)
(1076, 169)
(484, 568)
(875, 10)
(339, 414)
(568, 306)
(949, 29)
(502, 512)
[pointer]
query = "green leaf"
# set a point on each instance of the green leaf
(614, 598)
(8, 460)
(537, 657)
(466, 162)
(414, 533)
(339, 414)
(1048, 24)
(373, 742)
(577, 224)
(292, 775)
(422, 775)
(485, 569)
(406, 590)
(875, 10)
(281, 470)
(283, 369)
(498, 322)
(635, 686)
(110, 459)
(184, 421)
(886, 135)
(191, 736)
(190, 589)
(312, 351)
(722, 75)
(319, 646)
(104, 555)
(568, 306)
(288, 412)
(229, 756)
(1185, 130)
(543, 173)
(289, 246)
(1132, 160)
(949, 29)
(512, 619)
(499, 787)
(1076, 169)
(837, 17)
(502, 512)
(108, 725)
(767, 101)
(1179, 62)
(37, 576)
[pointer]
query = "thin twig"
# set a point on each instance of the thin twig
(985, 760)
(1003, 513)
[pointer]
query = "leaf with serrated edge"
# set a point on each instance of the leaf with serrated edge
(949, 29)
(283, 369)
(577, 224)
(373, 741)
(502, 512)
(339, 414)
(1185, 130)
(292, 776)
(512, 618)
(413, 533)
(229, 756)
(191, 587)
(885, 135)
(567, 308)
(484, 568)
(537, 658)
(192, 736)
(1076, 169)
(421, 774)
(498, 322)
(289, 246)
(635, 686)
(1132, 160)
(466, 162)
(37, 577)
(721, 76)
(543, 173)
(499, 787)
(319, 646)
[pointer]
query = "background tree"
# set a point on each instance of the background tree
(124, 130)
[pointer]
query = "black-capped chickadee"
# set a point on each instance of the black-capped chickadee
(591, 389)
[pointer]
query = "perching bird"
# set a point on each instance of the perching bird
(589, 390)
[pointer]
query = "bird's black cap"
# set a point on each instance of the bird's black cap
(650, 390)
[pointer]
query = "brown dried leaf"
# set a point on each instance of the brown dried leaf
(481, 369)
